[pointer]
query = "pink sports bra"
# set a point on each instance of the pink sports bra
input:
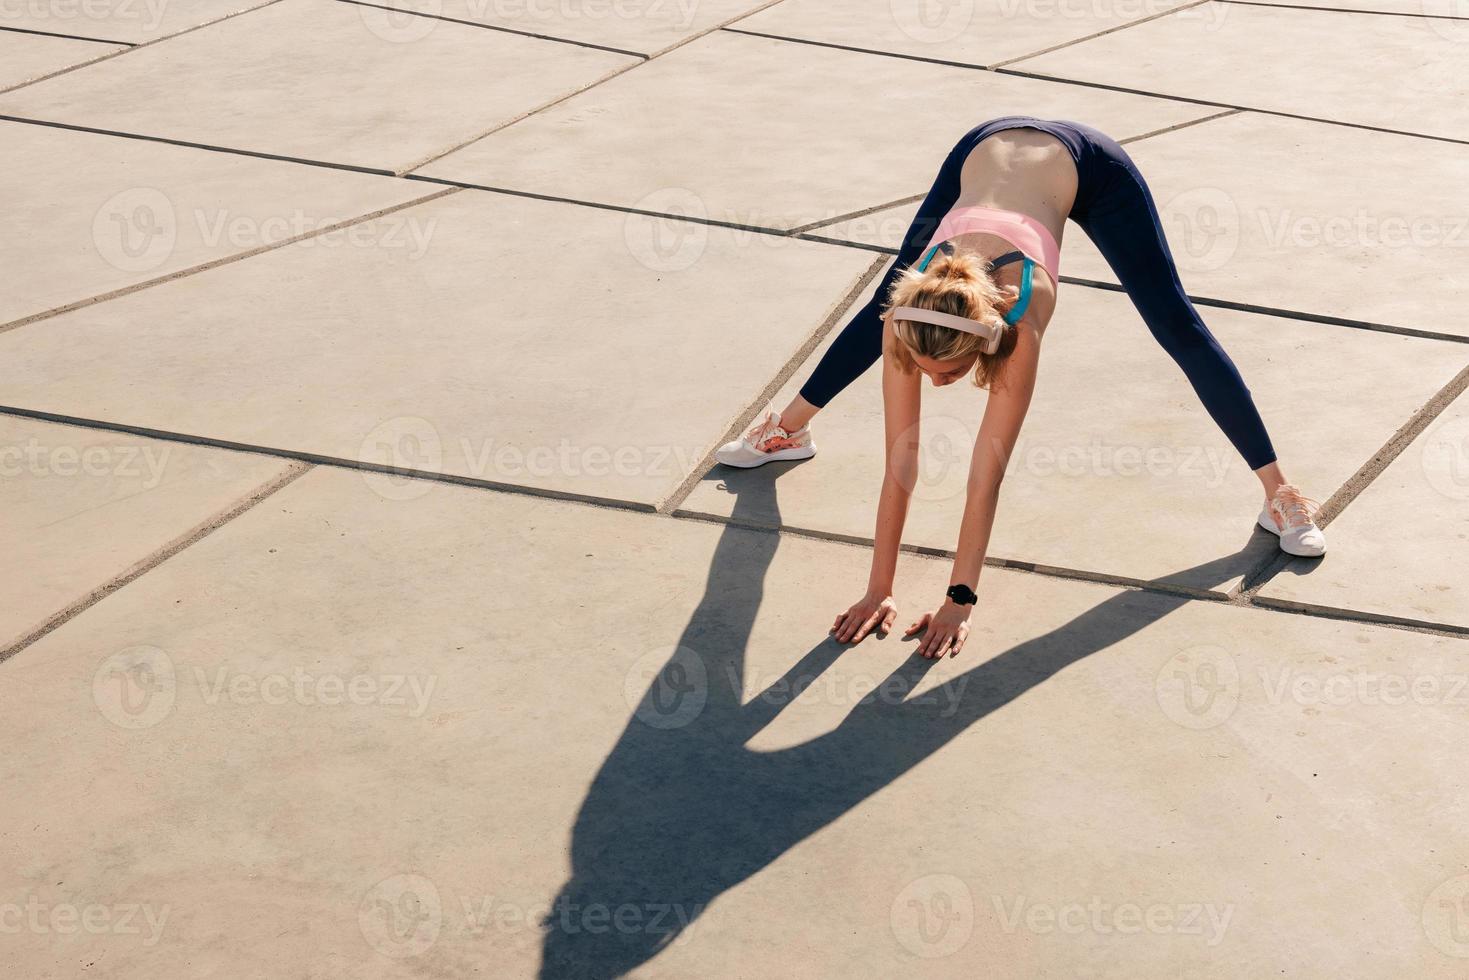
(1021, 230)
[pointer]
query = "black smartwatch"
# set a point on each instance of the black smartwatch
(962, 594)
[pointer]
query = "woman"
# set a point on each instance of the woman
(963, 295)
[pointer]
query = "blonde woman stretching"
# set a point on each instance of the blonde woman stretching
(963, 296)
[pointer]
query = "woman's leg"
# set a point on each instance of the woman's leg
(1123, 223)
(859, 345)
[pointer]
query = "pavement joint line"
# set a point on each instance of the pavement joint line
(1103, 33)
(1358, 616)
(222, 261)
(1230, 105)
(65, 37)
(928, 551)
(338, 462)
(146, 564)
(1342, 10)
(1355, 484)
(800, 230)
(211, 147)
(643, 60)
(440, 154)
(1183, 125)
(1111, 88)
(312, 461)
(494, 27)
(793, 364)
(712, 222)
(141, 45)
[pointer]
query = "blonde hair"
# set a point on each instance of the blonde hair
(957, 283)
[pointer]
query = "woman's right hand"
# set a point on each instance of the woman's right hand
(866, 613)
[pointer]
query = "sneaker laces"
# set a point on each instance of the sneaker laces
(1295, 508)
(763, 429)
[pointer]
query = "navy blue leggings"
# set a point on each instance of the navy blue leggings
(1115, 208)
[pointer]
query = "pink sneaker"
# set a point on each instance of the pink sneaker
(767, 442)
(1291, 517)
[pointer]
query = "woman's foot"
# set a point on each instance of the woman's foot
(1291, 517)
(767, 442)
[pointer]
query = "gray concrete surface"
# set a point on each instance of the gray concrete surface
(985, 33)
(355, 85)
(647, 139)
(128, 21)
(427, 340)
(79, 506)
(642, 26)
(26, 57)
(313, 711)
(1109, 463)
(1270, 211)
(1407, 536)
(1291, 69)
(103, 214)
(508, 767)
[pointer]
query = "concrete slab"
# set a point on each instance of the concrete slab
(231, 716)
(1200, 56)
(1282, 219)
(978, 32)
(642, 26)
(133, 21)
(1398, 549)
(101, 213)
(354, 85)
(870, 130)
(1118, 470)
(25, 57)
(528, 342)
(80, 506)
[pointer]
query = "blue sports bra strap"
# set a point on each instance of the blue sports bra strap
(1006, 259)
(928, 256)
(1013, 315)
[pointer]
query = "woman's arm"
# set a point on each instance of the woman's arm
(901, 401)
(1004, 414)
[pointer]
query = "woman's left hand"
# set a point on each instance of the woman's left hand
(947, 630)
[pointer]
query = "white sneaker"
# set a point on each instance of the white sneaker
(767, 442)
(1292, 518)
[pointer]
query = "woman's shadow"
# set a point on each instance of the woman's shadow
(682, 810)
